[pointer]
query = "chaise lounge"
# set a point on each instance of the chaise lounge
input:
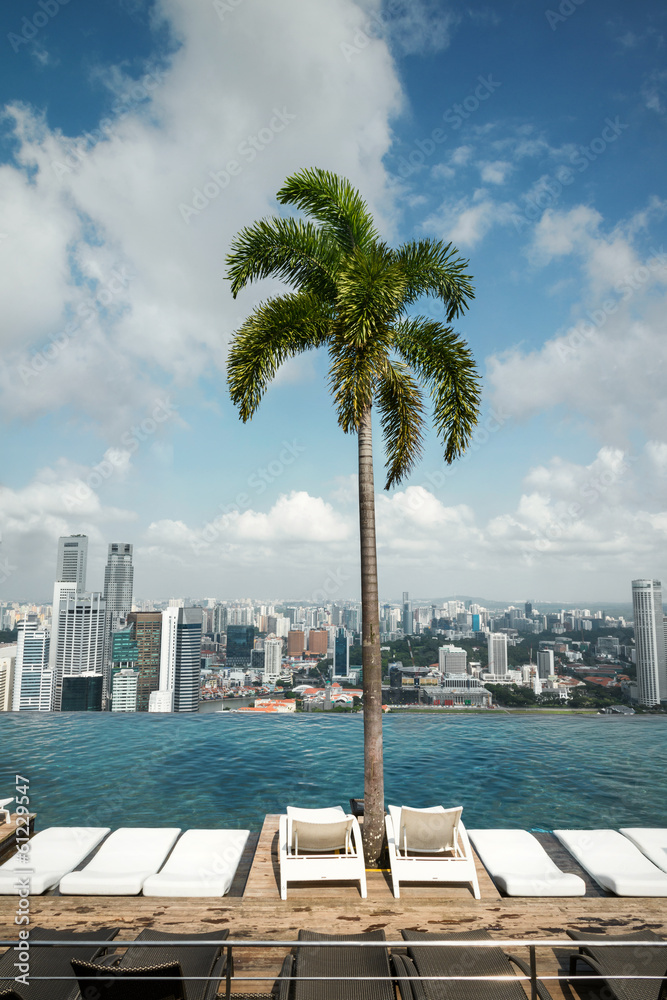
(53, 962)
(520, 866)
(614, 862)
(318, 844)
(610, 963)
(651, 841)
(203, 863)
(336, 973)
(429, 845)
(123, 863)
(52, 853)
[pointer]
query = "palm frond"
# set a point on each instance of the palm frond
(332, 201)
(371, 287)
(401, 408)
(278, 329)
(352, 378)
(445, 363)
(434, 268)
(297, 252)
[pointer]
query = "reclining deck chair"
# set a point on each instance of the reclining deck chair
(520, 866)
(316, 844)
(422, 962)
(614, 862)
(353, 973)
(123, 863)
(623, 961)
(429, 845)
(53, 852)
(53, 961)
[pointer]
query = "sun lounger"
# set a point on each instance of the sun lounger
(203, 863)
(316, 844)
(520, 866)
(651, 841)
(52, 853)
(424, 961)
(123, 863)
(337, 970)
(614, 862)
(53, 961)
(184, 968)
(631, 961)
(429, 845)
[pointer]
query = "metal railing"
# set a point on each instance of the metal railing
(229, 978)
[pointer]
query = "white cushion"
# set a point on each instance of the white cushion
(520, 866)
(203, 863)
(52, 853)
(614, 862)
(123, 863)
(651, 841)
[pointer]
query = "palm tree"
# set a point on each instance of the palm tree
(351, 293)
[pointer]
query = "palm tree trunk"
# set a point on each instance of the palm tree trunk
(371, 657)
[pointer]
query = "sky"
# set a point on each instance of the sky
(138, 136)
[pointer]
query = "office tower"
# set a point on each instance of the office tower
(72, 559)
(408, 626)
(650, 641)
(273, 658)
(180, 657)
(497, 650)
(341, 658)
(33, 677)
(220, 619)
(295, 642)
(351, 619)
(147, 633)
(545, 663)
(8, 653)
(240, 641)
(528, 609)
(118, 579)
(317, 641)
(257, 659)
(80, 628)
(124, 690)
(82, 692)
(395, 619)
(452, 660)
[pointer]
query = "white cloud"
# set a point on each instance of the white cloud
(496, 172)
(467, 221)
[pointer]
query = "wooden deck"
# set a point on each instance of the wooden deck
(253, 910)
(8, 835)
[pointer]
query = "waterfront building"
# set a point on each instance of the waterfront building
(497, 650)
(8, 653)
(33, 677)
(452, 660)
(161, 701)
(545, 663)
(79, 626)
(341, 657)
(650, 641)
(82, 692)
(146, 632)
(180, 657)
(273, 657)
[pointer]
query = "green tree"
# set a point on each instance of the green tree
(351, 294)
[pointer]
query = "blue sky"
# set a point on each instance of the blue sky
(532, 137)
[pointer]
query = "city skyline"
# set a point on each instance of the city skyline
(139, 138)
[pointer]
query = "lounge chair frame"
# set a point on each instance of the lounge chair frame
(342, 863)
(457, 865)
(623, 961)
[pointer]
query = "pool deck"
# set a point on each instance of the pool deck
(253, 910)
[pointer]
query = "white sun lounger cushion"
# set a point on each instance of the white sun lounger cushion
(520, 866)
(614, 862)
(123, 863)
(52, 853)
(203, 863)
(651, 841)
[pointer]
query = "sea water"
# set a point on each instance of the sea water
(537, 772)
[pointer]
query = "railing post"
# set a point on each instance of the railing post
(533, 973)
(229, 971)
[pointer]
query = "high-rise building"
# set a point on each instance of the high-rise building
(8, 653)
(180, 657)
(452, 660)
(118, 579)
(545, 663)
(296, 640)
(80, 626)
(82, 692)
(649, 641)
(72, 560)
(240, 641)
(33, 677)
(528, 609)
(124, 689)
(273, 656)
(408, 621)
(147, 633)
(341, 658)
(497, 650)
(317, 641)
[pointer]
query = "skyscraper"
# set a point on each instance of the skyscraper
(650, 641)
(72, 560)
(33, 677)
(240, 640)
(497, 650)
(81, 629)
(146, 632)
(408, 621)
(273, 655)
(341, 659)
(180, 657)
(118, 578)
(545, 663)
